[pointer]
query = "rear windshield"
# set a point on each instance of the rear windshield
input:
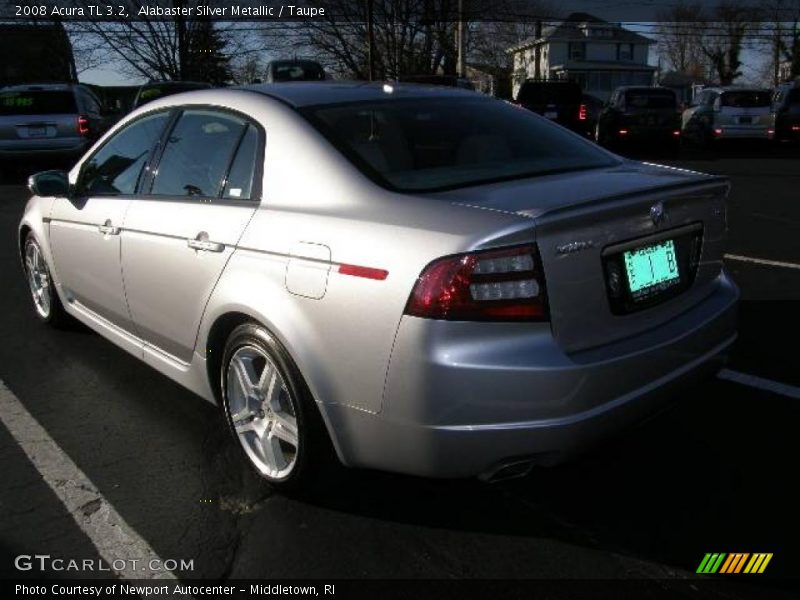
(37, 102)
(297, 72)
(549, 93)
(746, 99)
(432, 144)
(794, 97)
(650, 99)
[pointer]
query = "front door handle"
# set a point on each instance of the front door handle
(201, 242)
(108, 229)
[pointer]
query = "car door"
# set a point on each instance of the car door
(180, 234)
(85, 228)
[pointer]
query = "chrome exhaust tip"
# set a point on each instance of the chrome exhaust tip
(513, 469)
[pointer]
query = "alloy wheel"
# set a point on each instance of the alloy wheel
(38, 279)
(263, 412)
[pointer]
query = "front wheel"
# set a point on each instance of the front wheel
(269, 408)
(46, 302)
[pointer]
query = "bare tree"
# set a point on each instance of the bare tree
(679, 33)
(781, 29)
(724, 36)
(156, 47)
(410, 36)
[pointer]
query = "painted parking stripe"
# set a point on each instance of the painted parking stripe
(760, 383)
(113, 538)
(763, 261)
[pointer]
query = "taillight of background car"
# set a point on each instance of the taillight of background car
(493, 285)
(83, 125)
(582, 113)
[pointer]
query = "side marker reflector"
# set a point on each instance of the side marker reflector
(366, 272)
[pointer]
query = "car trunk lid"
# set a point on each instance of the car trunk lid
(578, 230)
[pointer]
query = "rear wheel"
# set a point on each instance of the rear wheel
(46, 302)
(270, 410)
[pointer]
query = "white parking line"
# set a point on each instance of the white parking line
(116, 542)
(760, 383)
(763, 261)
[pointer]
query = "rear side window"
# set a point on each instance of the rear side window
(746, 99)
(117, 166)
(198, 153)
(239, 185)
(650, 99)
(38, 102)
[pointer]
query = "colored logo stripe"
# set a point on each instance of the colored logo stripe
(734, 562)
(711, 563)
(758, 563)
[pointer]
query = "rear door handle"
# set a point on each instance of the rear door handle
(201, 242)
(108, 229)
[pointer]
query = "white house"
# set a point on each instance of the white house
(599, 55)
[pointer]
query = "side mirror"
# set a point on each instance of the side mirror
(49, 183)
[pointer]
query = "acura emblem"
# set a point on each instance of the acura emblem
(657, 213)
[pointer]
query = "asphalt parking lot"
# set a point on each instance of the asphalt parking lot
(715, 473)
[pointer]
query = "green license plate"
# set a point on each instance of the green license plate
(651, 268)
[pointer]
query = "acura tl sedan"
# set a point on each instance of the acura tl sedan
(420, 279)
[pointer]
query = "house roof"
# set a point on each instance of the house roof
(571, 30)
(601, 65)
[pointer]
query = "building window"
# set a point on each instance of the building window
(577, 50)
(624, 51)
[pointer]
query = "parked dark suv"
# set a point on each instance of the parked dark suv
(786, 111)
(48, 122)
(560, 101)
(643, 114)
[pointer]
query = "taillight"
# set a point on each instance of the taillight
(795, 127)
(623, 132)
(83, 125)
(491, 285)
(676, 133)
(582, 113)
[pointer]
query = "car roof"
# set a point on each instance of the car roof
(735, 88)
(38, 87)
(311, 93)
(199, 84)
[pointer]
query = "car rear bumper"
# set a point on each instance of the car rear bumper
(463, 402)
(730, 132)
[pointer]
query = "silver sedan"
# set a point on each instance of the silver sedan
(421, 280)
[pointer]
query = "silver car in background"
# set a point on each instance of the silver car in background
(731, 112)
(425, 279)
(48, 121)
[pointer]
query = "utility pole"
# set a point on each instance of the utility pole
(370, 42)
(461, 41)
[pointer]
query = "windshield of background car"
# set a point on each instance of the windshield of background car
(650, 99)
(150, 93)
(746, 99)
(429, 144)
(298, 72)
(549, 93)
(37, 102)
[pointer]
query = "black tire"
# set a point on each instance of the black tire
(314, 451)
(55, 315)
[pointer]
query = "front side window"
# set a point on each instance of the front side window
(429, 144)
(197, 154)
(116, 168)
